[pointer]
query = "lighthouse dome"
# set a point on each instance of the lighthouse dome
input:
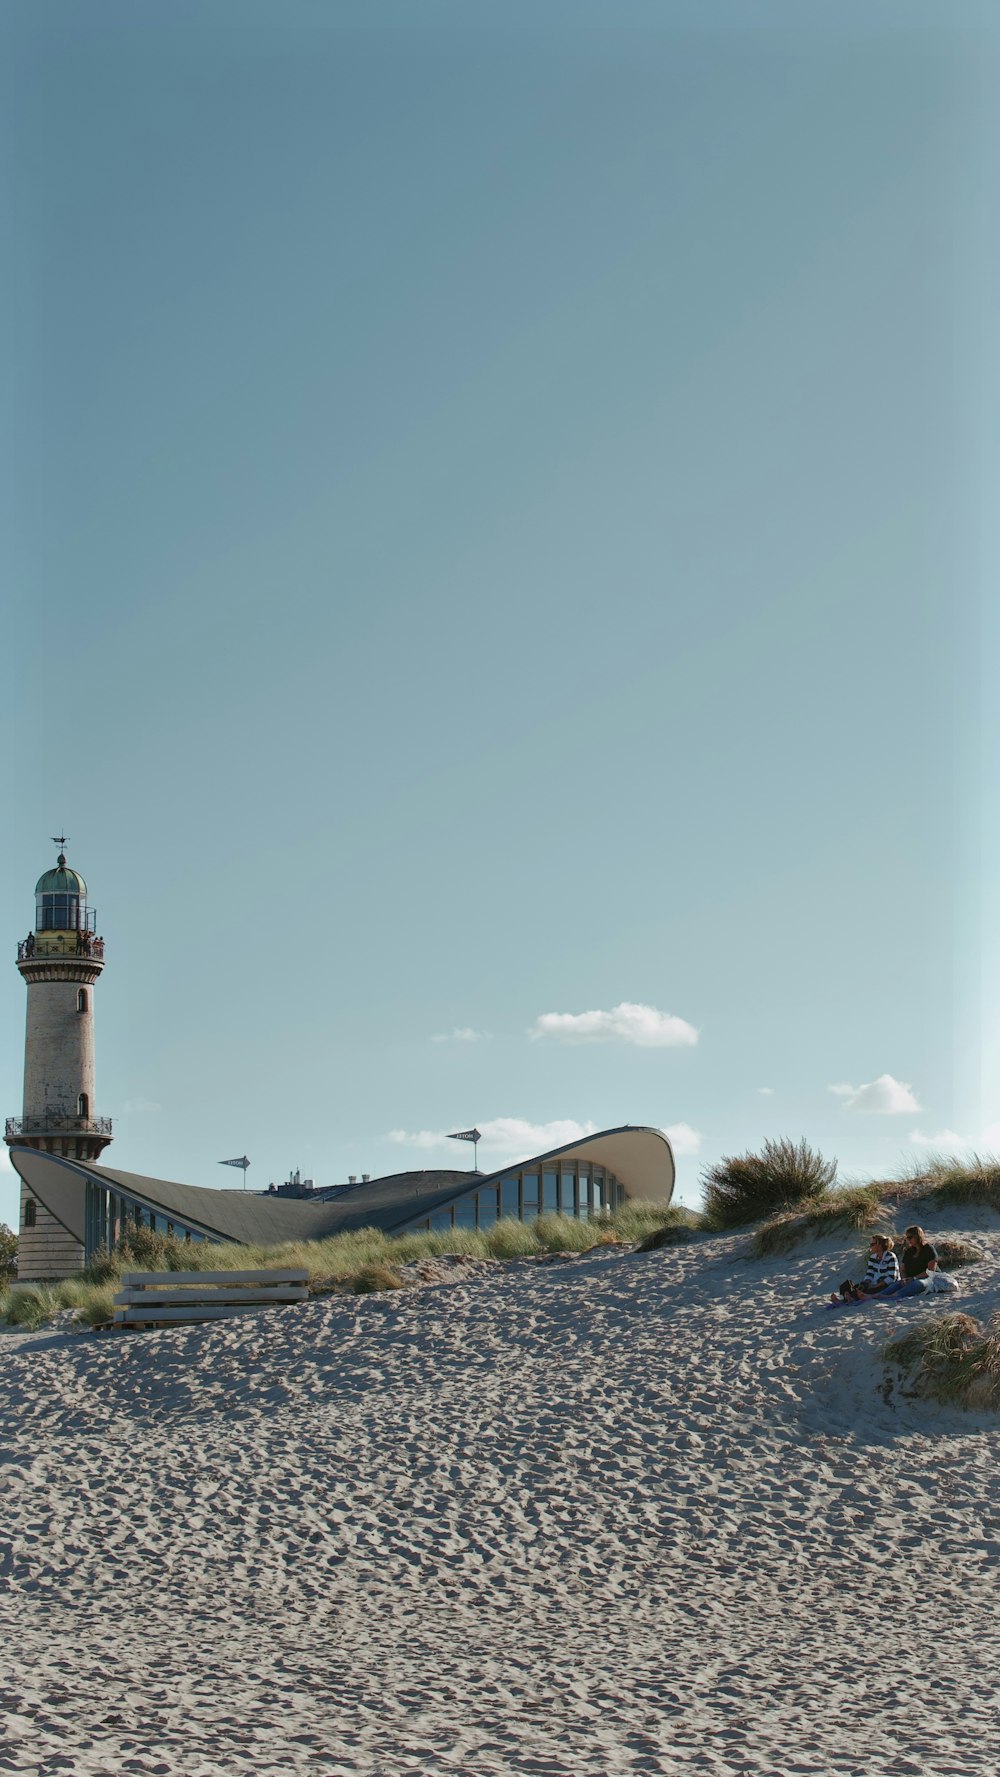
(62, 881)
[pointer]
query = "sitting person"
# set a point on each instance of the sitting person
(919, 1261)
(883, 1270)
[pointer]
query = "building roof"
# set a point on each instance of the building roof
(641, 1159)
(61, 881)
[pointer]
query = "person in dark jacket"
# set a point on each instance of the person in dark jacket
(919, 1259)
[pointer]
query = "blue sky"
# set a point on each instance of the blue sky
(497, 528)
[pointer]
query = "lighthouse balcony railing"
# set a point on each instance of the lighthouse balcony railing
(60, 944)
(52, 1125)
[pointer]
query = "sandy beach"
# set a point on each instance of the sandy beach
(629, 1513)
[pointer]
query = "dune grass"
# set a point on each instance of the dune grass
(953, 1359)
(973, 1181)
(354, 1261)
(856, 1206)
(373, 1278)
(953, 1253)
(32, 1305)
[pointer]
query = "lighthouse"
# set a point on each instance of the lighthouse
(61, 961)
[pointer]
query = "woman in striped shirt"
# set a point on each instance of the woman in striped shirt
(883, 1269)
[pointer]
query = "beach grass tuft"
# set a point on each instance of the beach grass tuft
(671, 1234)
(953, 1253)
(972, 1181)
(744, 1188)
(857, 1206)
(371, 1279)
(954, 1360)
(30, 1305)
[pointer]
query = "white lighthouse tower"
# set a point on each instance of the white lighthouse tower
(61, 961)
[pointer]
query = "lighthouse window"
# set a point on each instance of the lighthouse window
(81, 1000)
(59, 913)
(29, 1213)
(83, 1105)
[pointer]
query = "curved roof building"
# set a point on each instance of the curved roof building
(95, 1205)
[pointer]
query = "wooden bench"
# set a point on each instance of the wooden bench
(158, 1298)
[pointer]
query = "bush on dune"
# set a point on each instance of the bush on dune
(953, 1359)
(740, 1189)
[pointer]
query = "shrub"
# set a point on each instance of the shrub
(953, 1359)
(742, 1189)
(8, 1252)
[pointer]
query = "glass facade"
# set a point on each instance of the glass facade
(569, 1187)
(110, 1214)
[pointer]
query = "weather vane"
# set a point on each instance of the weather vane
(62, 840)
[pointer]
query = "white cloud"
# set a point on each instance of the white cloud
(682, 1138)
(766, 1091)
(642, 1026)
(949, 1141)
(885, 1096)
(504, 1138)
(514, 1138)
(943, 1141)
(462, 1033)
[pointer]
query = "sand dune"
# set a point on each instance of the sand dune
(629, 1514)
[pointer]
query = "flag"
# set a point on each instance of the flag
(242, 1161)
(465, 1135)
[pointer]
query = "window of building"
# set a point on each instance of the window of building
(465, 1212)
(29, 1213)
(81, 1000)
(440, 1221)
(83, 1105)
(567, 1190)
(487, 1208)
(510, 1204)
(550, 1192)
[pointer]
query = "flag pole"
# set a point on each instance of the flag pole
(473, 1135)
(241, 1162)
